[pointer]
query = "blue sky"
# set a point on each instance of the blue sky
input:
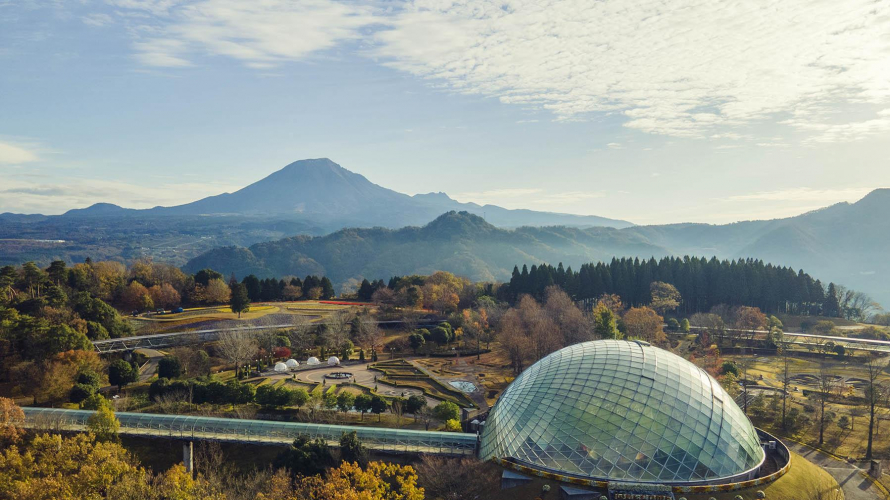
(705, 112)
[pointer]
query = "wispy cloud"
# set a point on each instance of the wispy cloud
(36, 196)
(691, 68)
(12, 154)
(824, 196)
(261, 34)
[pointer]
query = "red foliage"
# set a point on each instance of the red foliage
(281, 352)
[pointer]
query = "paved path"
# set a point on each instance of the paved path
(150, 368)
(848, 475)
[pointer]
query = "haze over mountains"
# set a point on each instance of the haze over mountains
(350, 228)
(845, 243)
(330, 195)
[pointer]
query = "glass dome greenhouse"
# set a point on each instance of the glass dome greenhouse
(623, 411)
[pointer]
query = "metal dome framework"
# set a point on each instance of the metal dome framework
(622, 411)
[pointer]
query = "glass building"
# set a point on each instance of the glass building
(623, 411)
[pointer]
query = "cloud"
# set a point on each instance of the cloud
(261, 34)
(691, 68)
(567, 197)
(852, 131)
(60, 195)
(12, 154)
(824, 196)
(97, 19)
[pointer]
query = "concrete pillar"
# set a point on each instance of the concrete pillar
(875, 469)
(188, 451)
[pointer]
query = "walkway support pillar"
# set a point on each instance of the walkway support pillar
(188, 451)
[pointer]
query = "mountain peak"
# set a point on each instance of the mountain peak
(313, 163)
(459, 223)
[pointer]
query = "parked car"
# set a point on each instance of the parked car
(135, 313)
(160, 311)
(177, 310)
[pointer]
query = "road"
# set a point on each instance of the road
(848, 475)
(150, 367)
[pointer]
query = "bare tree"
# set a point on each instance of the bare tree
(299, 333)
(785, 378)
(875, 394)
(397, 407)
(457, 478)
(337, 327)
(370, 336)
(237, 347)
(827, 383)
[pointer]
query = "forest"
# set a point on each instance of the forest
(703, 283)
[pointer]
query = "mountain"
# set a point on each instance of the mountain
(846, 243)
(459, 242)
(327, 194)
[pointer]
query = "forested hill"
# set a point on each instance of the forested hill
(458, 242)
(846, 243)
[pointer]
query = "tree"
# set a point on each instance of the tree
(414, 404)
(665, 297)
(397, 408)
(363, 404)
(239, 301)
(440, 335)
(379, 481)
(345, 401)
(604, 324)
(684, 325)
(12, 421)
(751, 319)
(94, 402)
(104, 424)
(416, 340)
(645, 324)
(216, 292)
(826, 385)
(121, 373)
(785, 379)
(169, 367)
(306, 457)
(446, 410)
(457, 478)
(237, 347)
(378, 405)
(53, 466)
(875, 396)
(352, 450)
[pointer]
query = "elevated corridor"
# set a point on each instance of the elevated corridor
(171, 339)
(191, 428)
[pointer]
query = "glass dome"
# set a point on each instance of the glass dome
(625, 411)
(280, 367)
(312, 361)
(333, 361)
(292, 363)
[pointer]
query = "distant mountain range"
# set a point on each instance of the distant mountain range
(846, 243)
(350, 228)
(329, 195)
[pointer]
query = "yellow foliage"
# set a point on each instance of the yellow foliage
(380, 481)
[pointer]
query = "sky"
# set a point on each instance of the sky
(648, 111)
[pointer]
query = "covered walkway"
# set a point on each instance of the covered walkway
(192, 428)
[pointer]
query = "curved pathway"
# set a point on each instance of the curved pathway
(849, 475)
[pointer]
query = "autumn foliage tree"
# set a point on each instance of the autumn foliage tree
(645, 324)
